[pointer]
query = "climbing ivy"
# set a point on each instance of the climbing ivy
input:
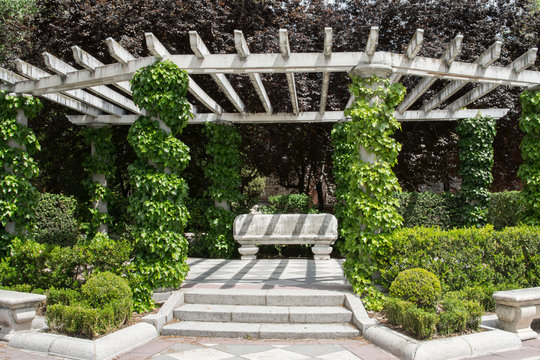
(529, 171)
(101, 162)
(157, 202)
(17, 166)
(223, 171)
(366, 191)
(476, 155)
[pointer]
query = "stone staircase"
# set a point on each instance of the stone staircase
(262, 314)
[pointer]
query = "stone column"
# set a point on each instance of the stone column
(367, 71)
(22, 120)
(101, 204)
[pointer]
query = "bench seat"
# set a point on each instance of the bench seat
(320, 230)
(516, 309)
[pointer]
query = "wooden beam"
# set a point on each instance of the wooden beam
(414, 47)
(327, 50)
(488, 57)
(373, 40)
(243, 51)
(276, 63)
(12, 78)
(89, 62)
(36, 73)
(303, 117)
(451, 52)
(201, 51)
(286, 53)
(61, 67)
(517, 66)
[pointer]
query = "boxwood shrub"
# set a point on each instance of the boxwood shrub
(467, 256)
(105, 304)
(429, 209)
(418, 286)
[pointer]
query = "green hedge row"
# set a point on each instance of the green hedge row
(467, 256)
(429, 209)
(103, 305)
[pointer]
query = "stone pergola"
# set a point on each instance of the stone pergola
(101, 92)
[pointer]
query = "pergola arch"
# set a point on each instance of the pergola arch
(90, 91)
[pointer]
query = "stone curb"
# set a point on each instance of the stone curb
(360, 317)
(83, 349)
(456, 347)
(166, 312)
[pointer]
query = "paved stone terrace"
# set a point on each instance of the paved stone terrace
(266, 274)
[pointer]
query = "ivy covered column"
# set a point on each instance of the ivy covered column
(223, 171)
(17, 144)
(475, 144)
(365, 153)
(157, 203)
(100, 167)
(529, 171)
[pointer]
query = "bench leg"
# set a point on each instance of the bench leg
(13, 320)
(517, 320)
(321, 252)
(248, 252)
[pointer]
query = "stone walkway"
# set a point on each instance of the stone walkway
(233, 349)
(266, 274)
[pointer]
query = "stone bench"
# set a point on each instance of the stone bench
(516, 309)
(251, 230)
(17, 311)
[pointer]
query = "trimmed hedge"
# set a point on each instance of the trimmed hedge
(104, 304)
(55, 221)
(468, 256)
(418, 286)
(429, 209)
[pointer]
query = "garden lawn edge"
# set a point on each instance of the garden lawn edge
(74, 348)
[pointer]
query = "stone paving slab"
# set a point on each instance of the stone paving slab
(266, 274)
(187, 348)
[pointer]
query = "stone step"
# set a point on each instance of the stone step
(260, 331)
(263, 314)
(272, 297)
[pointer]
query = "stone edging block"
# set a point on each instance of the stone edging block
(456, 347)
(82, 349)
(166, 312)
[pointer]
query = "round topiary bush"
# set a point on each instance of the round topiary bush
(105, 288)
(418, 286)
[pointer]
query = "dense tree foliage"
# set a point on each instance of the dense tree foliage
(298, 154)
